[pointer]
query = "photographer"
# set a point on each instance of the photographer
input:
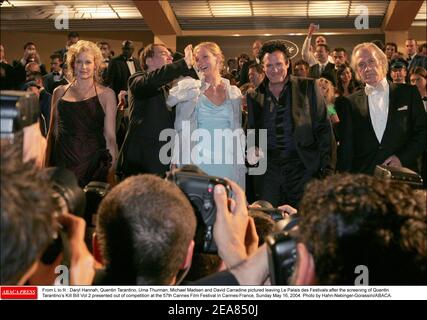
(365, 221)
(25, 234)
(145, 232)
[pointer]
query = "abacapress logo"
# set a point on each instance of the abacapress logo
(16, 292)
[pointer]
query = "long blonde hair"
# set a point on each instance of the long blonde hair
(330, 92)
(84, 46)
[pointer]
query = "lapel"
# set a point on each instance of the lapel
(125, 67)
(362, 103)
(391, 111)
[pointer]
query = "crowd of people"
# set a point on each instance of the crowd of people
(322, 124)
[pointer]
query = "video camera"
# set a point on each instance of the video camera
(199, 189)
(18, 109)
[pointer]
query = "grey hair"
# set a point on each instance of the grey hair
(379, 54)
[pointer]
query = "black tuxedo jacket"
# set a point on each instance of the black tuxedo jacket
(49, 83)
(149, 115)
(404, 135)
(314, 140)
(118, 73)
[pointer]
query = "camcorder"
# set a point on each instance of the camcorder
(18, 109)
(199, 189)
(71, 199)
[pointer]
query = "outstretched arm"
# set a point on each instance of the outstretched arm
(147, 84)
(306, 53)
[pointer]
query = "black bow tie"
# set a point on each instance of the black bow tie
(55, 73)
(424, 98)
(130, 59)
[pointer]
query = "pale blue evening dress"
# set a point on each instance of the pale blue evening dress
(210, 117)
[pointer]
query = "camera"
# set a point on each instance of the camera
(282, 251)
(72, 199)
(399, 175)
(199, 189)
(266, 207)
(94, 192)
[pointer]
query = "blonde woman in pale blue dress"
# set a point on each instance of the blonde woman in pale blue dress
(213, 106)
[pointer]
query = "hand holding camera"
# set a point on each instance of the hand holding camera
(82, 263)
(231, 226)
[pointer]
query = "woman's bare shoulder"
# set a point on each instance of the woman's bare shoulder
(106, 95)
(105, 91)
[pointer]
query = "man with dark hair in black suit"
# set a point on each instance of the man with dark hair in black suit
(300, 143)
(244, 73)
(149, 114)
(30, 56)
(383, 124)
(35, 84)
(122, 67)
(414, 58)
(323, 67)
(56, 77)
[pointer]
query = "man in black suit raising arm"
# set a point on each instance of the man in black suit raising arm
(383, 124)
(149, 114)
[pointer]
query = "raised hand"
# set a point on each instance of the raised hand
(189, 59)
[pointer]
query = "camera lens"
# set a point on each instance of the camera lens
(64, 182)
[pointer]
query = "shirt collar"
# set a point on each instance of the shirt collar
(381, 87)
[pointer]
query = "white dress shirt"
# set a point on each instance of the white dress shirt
(131, 66)
(378, 99)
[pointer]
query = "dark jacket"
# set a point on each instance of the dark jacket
(418, 61)
(45, 105)
(118, 73)
(404, 135)
(149, 115)
(329, 72)
(7, 82)
(314, 140)
(50, 84)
